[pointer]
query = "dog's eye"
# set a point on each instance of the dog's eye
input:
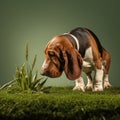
(51, 54)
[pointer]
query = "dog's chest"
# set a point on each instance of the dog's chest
(88, 64)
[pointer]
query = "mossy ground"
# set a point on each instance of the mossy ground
(61, 103)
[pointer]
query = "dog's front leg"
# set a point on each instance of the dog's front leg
(79, 84)
(98, 80)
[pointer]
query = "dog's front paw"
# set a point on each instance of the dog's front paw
(80, 88)
(97, 88)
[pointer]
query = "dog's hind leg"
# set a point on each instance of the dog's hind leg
(106, 64)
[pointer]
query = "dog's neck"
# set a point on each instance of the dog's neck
(73, 40)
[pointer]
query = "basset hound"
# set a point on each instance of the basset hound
(74, 52)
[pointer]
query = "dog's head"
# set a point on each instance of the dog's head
(61, 56)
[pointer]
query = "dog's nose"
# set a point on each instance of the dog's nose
(42, 73)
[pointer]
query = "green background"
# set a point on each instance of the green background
(37, 21)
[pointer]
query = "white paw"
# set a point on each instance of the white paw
(106, 82)
(81, 88)
(97, 88)
(107, 85)
(89, 87)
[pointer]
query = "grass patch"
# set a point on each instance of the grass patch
(25, 80)
(61, 103)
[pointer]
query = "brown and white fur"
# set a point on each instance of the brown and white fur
(74, 52)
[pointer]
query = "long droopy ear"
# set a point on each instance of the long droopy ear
(73, 64)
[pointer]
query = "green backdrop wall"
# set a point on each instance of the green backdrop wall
(37, 21)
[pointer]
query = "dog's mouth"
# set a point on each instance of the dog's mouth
(51, 74)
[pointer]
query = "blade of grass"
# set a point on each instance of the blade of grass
(30, 77)
(26, 52)
(35, 83)
(34, 61)
(23, 70)
(35, 77)
(7, 84)
(40, 85)
(17, 76)
(22, 82)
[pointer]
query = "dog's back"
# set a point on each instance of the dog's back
(83, 35)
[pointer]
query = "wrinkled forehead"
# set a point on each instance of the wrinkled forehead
(52, 44)
(50, 47)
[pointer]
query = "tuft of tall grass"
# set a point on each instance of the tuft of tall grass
(26, 79)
